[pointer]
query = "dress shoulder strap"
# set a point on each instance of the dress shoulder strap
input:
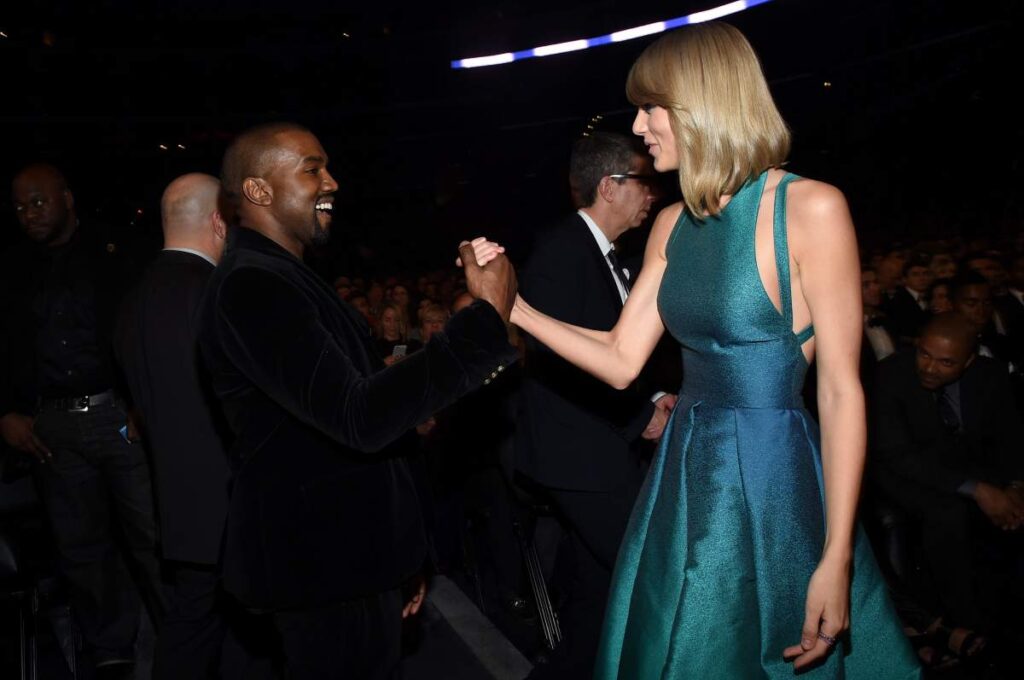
(782, 256)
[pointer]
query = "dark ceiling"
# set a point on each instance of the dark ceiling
(916, 127)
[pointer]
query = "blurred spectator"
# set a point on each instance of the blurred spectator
(939, 301)
(877, 339)
(1011, 309)
(943, 266)
(58, 404)
(358, 299)
(906, 307)
(971, 294)
(990, 265)
(392, 339)
(342, 287)
(946, 451)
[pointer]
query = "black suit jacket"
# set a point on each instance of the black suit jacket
(155, 344)
(574, 431)
(909, 440)
(323, 506)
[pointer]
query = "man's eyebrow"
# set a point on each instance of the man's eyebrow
(314, 159)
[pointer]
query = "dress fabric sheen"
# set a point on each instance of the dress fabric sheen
(712, 574)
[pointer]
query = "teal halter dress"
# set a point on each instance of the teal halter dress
(712, 574)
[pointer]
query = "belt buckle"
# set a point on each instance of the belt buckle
(79, 404)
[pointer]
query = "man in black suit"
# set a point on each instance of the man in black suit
(324, 524)
(59, 292)
(946, 450)
(907, 309)
(155, 344)
(575, 433)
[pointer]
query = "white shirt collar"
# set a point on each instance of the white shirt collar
(602, 241)
(197, 253)
(1017, 294)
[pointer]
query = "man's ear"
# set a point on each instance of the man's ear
(256, 190)
(606, 189)
(220, 227)
(69, 199)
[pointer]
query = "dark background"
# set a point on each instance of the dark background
(917, 127)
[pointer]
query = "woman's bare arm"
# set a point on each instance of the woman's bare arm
(618, 355)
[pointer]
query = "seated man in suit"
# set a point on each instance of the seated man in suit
(907, 309)
(324, 526)
(946, 450)
(575, 432)
(971, 295)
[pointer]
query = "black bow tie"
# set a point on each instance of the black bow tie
(876, 321)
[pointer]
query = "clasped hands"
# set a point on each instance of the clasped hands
(489, 274)
(1003, 507)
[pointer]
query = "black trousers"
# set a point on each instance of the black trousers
(206, 634)
(352, 640)
(96, 487)
(595, 522)
(957, 543)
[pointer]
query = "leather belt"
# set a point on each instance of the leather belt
(77, 404)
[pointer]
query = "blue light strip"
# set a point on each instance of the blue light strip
(618, 36)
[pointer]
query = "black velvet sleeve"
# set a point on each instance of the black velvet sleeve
(273, 334)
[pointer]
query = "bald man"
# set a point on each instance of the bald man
(156, 346)
(946, 450)
(324, 525)
(59, 293)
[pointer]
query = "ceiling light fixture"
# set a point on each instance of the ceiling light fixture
(618, 36)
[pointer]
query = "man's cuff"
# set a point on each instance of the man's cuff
(479, 338)
(657, 395)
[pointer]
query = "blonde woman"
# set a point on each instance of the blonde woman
(742, 558)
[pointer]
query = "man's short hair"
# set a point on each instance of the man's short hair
(916, 260)
(966, 278)
(250, 155)
(596, 156)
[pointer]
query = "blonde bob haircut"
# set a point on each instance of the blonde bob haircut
(725, 122)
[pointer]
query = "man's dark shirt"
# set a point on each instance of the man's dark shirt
(57, 307)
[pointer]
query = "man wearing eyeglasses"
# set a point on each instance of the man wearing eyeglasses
(576, 437)
(59, 289)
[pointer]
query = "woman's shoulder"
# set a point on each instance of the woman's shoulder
(814, 196)
(817, 216)
(664, 225)
(669, 214)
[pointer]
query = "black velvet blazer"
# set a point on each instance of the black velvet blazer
(323, 506)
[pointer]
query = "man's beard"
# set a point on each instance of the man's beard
(321, 236)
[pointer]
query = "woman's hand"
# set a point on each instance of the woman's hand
(828, 613)
(484, 250)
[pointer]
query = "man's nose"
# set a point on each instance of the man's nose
(330, 185)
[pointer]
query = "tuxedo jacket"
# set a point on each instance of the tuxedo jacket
(910, 441)
(574, 431)
(323, 506)
(155, 343)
